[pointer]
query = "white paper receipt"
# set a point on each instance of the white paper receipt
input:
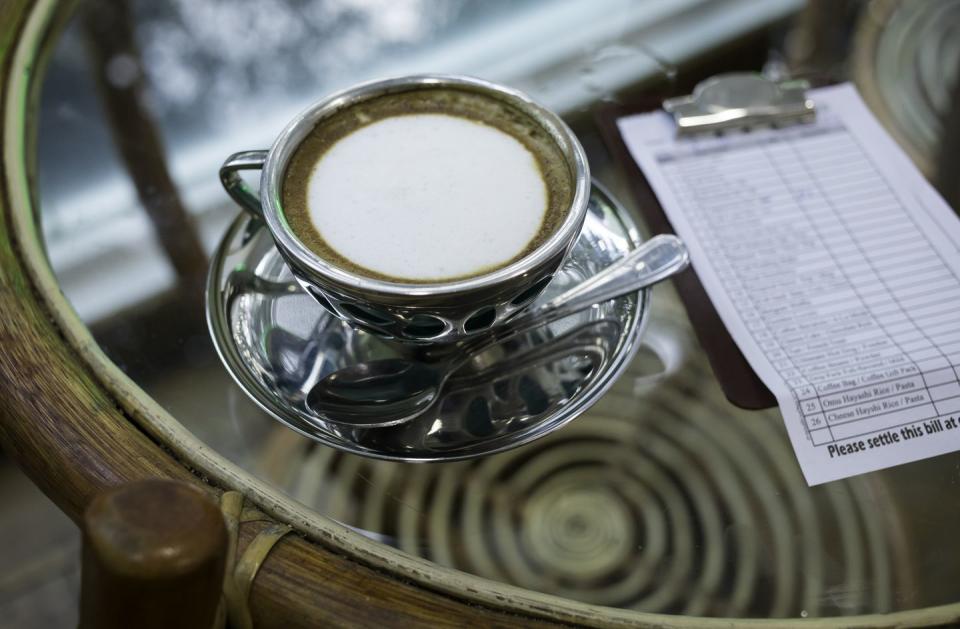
(836, 268)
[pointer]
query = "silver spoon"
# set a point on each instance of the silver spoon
(393, 391)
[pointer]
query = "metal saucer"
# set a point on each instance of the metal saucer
(277, 342)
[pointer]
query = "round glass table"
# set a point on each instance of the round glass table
(663, 504)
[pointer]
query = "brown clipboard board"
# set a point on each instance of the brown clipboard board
(739, 382)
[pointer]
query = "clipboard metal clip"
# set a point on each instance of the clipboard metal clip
(741, 100)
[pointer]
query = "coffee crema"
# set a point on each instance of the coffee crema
(425, 186)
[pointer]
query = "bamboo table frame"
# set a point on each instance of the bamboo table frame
(77, 425)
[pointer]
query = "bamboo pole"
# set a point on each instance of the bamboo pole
(154, 553)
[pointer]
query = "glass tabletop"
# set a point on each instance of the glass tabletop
(662, 497)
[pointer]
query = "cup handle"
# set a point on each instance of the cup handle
(237, 187)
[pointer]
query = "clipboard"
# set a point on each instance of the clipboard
(768, 103)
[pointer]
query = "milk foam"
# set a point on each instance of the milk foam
(427, 197)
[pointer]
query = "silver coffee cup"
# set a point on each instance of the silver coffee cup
(439, 312)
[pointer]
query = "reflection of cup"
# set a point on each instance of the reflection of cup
(417, 309)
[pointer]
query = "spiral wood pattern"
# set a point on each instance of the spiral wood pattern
(661, 498)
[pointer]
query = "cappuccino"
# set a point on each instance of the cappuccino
(424, 186)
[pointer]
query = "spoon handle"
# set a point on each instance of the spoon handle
(652, 262)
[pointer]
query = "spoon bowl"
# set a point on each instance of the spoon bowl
(398, 388)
